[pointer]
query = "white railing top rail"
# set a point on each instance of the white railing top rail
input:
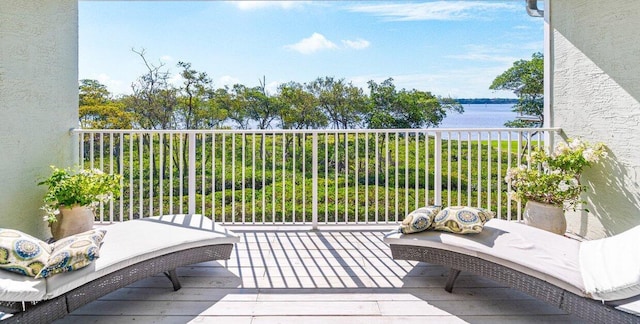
(312, 131)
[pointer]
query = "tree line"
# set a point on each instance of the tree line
(326, 102)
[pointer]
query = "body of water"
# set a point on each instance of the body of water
(480, 116)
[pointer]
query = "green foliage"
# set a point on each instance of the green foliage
(526, 79)
(98, 110)
(342, 102)
(390, 108)
(273, 174)
(71, 187)
(555, 179)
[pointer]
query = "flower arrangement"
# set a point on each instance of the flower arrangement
(554, 179)
(70, 187)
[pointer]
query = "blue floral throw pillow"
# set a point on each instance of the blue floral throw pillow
(22, 253)
(419, 219)
(73, 253)
(461, 219)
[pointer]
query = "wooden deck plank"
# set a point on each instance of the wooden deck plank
(327, 276)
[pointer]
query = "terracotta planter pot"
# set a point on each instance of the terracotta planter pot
(72, 221)
(545, 216)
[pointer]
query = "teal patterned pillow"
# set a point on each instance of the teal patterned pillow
(22, 253)
(73, 253)
(419, 219)
(462, 219)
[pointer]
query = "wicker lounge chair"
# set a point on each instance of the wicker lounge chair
(130, 251)
(549, 267)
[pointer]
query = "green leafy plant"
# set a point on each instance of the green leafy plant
(77, 187)
(555, 178)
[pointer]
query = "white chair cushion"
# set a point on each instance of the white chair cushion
(16, 288)
(611, 266)
(142, 239)
(538, 253)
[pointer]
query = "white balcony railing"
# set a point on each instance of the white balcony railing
(306, 176)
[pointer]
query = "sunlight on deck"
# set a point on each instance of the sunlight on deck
(334, 275)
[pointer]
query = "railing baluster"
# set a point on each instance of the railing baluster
(489, 138)
(203, 178)
(151, 165)
(397, 178)
(253, 178)
(242, 183)
(314, 179)
(213, 176)
(449, 168)
(233, 177)
(171, 167)
(284, 181)
(356, 155)
(223, 164)
(366, 179)
(437, 169)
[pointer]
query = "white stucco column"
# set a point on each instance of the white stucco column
(595, 89)
(38, 103)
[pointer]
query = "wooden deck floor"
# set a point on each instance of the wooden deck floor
(335, 275)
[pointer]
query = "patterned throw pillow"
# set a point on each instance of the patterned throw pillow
(419, 219)
(22, 253)
(73, 253)
(461, 219)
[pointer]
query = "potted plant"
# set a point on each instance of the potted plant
(72, 197)
(552, 183)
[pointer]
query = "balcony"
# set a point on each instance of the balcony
(311, 208)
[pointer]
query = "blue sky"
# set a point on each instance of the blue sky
(450, 48)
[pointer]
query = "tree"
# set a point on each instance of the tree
(343, 102)
(196, 107)
(260, 106)
(98, 110)
(154, 99)
(390, 108)
(526, 80)
(299, 108)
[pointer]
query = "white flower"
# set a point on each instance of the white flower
(563, 186)
(556, 171)
(545, 165)
(574, 182)
(561, 147)
(575, 143)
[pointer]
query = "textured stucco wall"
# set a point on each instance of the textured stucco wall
(595, 47)
(38, 102)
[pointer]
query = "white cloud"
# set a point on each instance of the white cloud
(462, 83)
(272, 87)
(312, 44)
(116, 87)
(439, 10)
(166, 58)
(502, 53)
(255, 5)
(226, 80)
(176, 80)
(356, 44)
(485, 57)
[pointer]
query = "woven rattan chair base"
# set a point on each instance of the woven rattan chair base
(585, 308)
(49, 310)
